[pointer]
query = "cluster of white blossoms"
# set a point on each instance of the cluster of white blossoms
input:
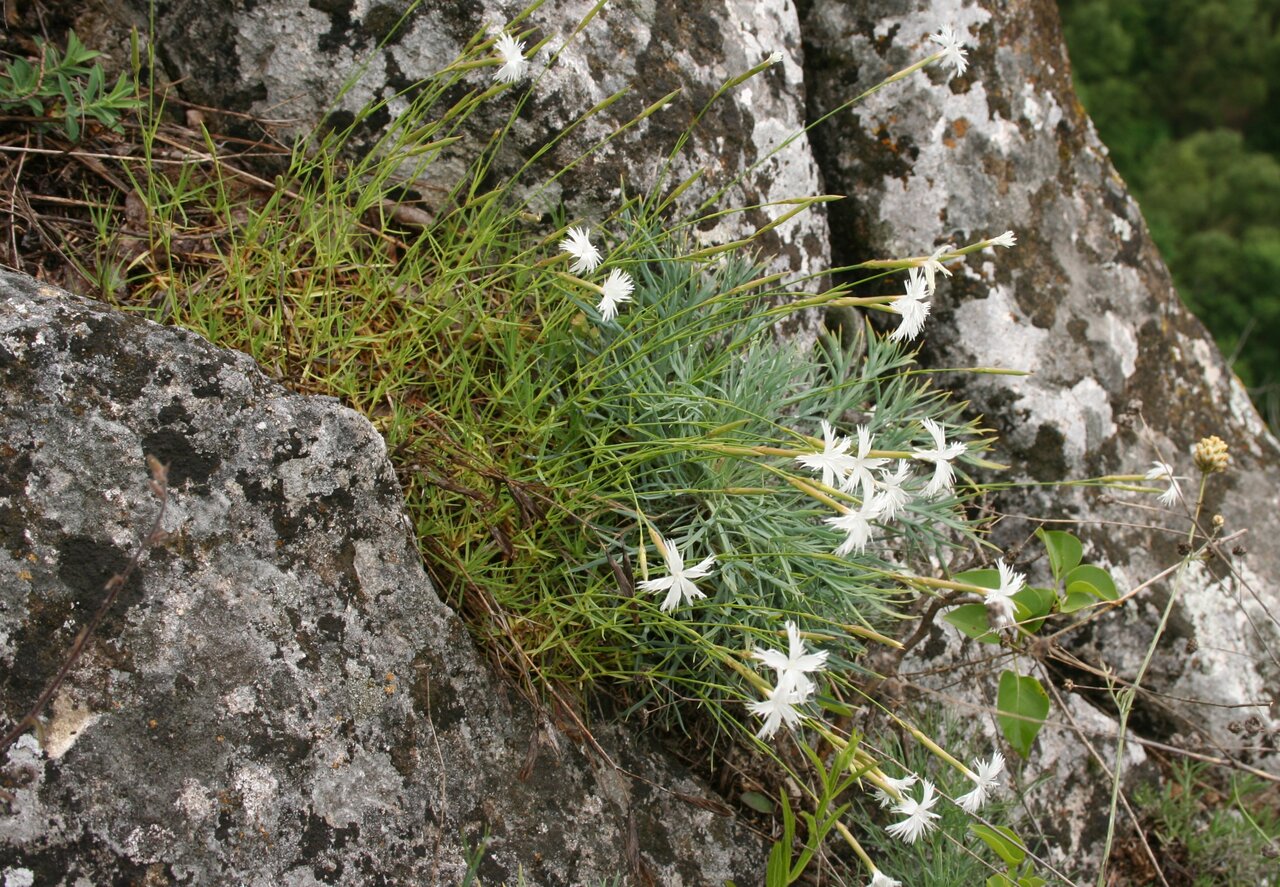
(617, 287)
(918, 812)
(792, 686)
(884, 491)
(922, 280)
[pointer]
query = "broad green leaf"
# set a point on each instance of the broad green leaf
(1021, 706)
(1097, 578)
(1003, 841)
(1038, 601)
(1077, 598)
(1064, 550)
(1031, 881)
(971, 619)
(983, 578)
(1034, 604)
(757, 802)
(999, 880)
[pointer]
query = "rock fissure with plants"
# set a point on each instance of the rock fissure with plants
(627, 481)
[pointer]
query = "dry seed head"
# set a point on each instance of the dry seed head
(1211, 455)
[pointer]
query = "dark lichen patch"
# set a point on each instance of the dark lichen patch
(205, 382)
(1169, 384)
(72, 862)
(1045, 459)
(386, 23)
(186, 463)
(342, 34)
(40, 646)
(114, 369)
(404, 751)
(331, 627)
(433, 695)
(85, 565)
(174, 414)
(16, 513)
(268, 741)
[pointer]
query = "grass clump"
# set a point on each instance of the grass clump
(1208, 833)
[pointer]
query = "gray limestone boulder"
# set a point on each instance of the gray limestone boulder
(287, 60)
(278, 695)
(1121, 374)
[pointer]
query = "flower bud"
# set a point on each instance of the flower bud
(1211, 455)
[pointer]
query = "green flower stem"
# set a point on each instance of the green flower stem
(933, 746)
(748, 674)
(867, 633)
(1125, 698)
(905, 72)
(856, 847)
(939, 583)
(1195, 521)
(833, 297)
(862, 762)
(810, 490)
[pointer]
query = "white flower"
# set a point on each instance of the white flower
(857, 526)
(514, 63)
(577, 243)
(952, 49)
(893, 496)
(778, 707)
(858, 474)
(1001, 608)
(1007, 240)
(1010, 582)
(796, 664)
(985, 780)
(941, 456)
(615, 290)
(913, 306)
(880, 879)
(899, 785)
(1164, 471)
(833, 461)
(919, 819)
(679, 583)
(774, 57)
(932, 265)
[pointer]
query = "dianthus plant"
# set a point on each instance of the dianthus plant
(693, 435)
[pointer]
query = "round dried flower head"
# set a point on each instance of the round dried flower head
(1211, 455)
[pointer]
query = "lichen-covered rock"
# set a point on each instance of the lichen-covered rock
(1121, 373)
(290, 59)
(277, 696)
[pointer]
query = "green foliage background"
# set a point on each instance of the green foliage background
(1186, 95)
